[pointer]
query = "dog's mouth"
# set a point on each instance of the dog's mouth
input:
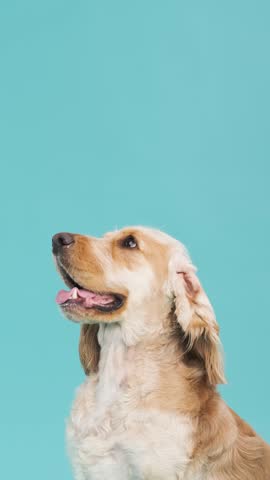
(80, 298)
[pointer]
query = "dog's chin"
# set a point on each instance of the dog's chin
(79, 314)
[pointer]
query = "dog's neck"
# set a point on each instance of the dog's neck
(143, 367)
(146, 328)
(120, 348)
(152, 367)
(112, 361)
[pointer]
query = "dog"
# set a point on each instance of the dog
(149, 344)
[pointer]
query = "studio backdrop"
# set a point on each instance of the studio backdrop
(116, 113)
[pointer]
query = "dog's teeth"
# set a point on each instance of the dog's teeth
(74, 294)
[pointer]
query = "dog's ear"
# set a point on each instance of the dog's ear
(89, 348)
(196, 317)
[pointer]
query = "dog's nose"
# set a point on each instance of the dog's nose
(61, 240)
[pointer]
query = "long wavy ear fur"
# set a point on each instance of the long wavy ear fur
(89, 348)
(197, 319)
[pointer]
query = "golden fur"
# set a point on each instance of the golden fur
(171, 359)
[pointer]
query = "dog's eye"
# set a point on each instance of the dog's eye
(129, 242)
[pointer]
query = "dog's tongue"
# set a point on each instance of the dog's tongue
(89, 298)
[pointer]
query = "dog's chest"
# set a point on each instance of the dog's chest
(141, 444)
(110, 432)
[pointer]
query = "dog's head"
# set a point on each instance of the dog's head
(143, 279)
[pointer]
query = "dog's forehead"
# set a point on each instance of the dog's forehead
(148, 233)
(145, 232)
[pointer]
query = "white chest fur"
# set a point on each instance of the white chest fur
(110, 435)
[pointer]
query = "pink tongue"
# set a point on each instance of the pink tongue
(90, 298)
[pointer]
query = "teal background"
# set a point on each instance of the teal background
(115, 113)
